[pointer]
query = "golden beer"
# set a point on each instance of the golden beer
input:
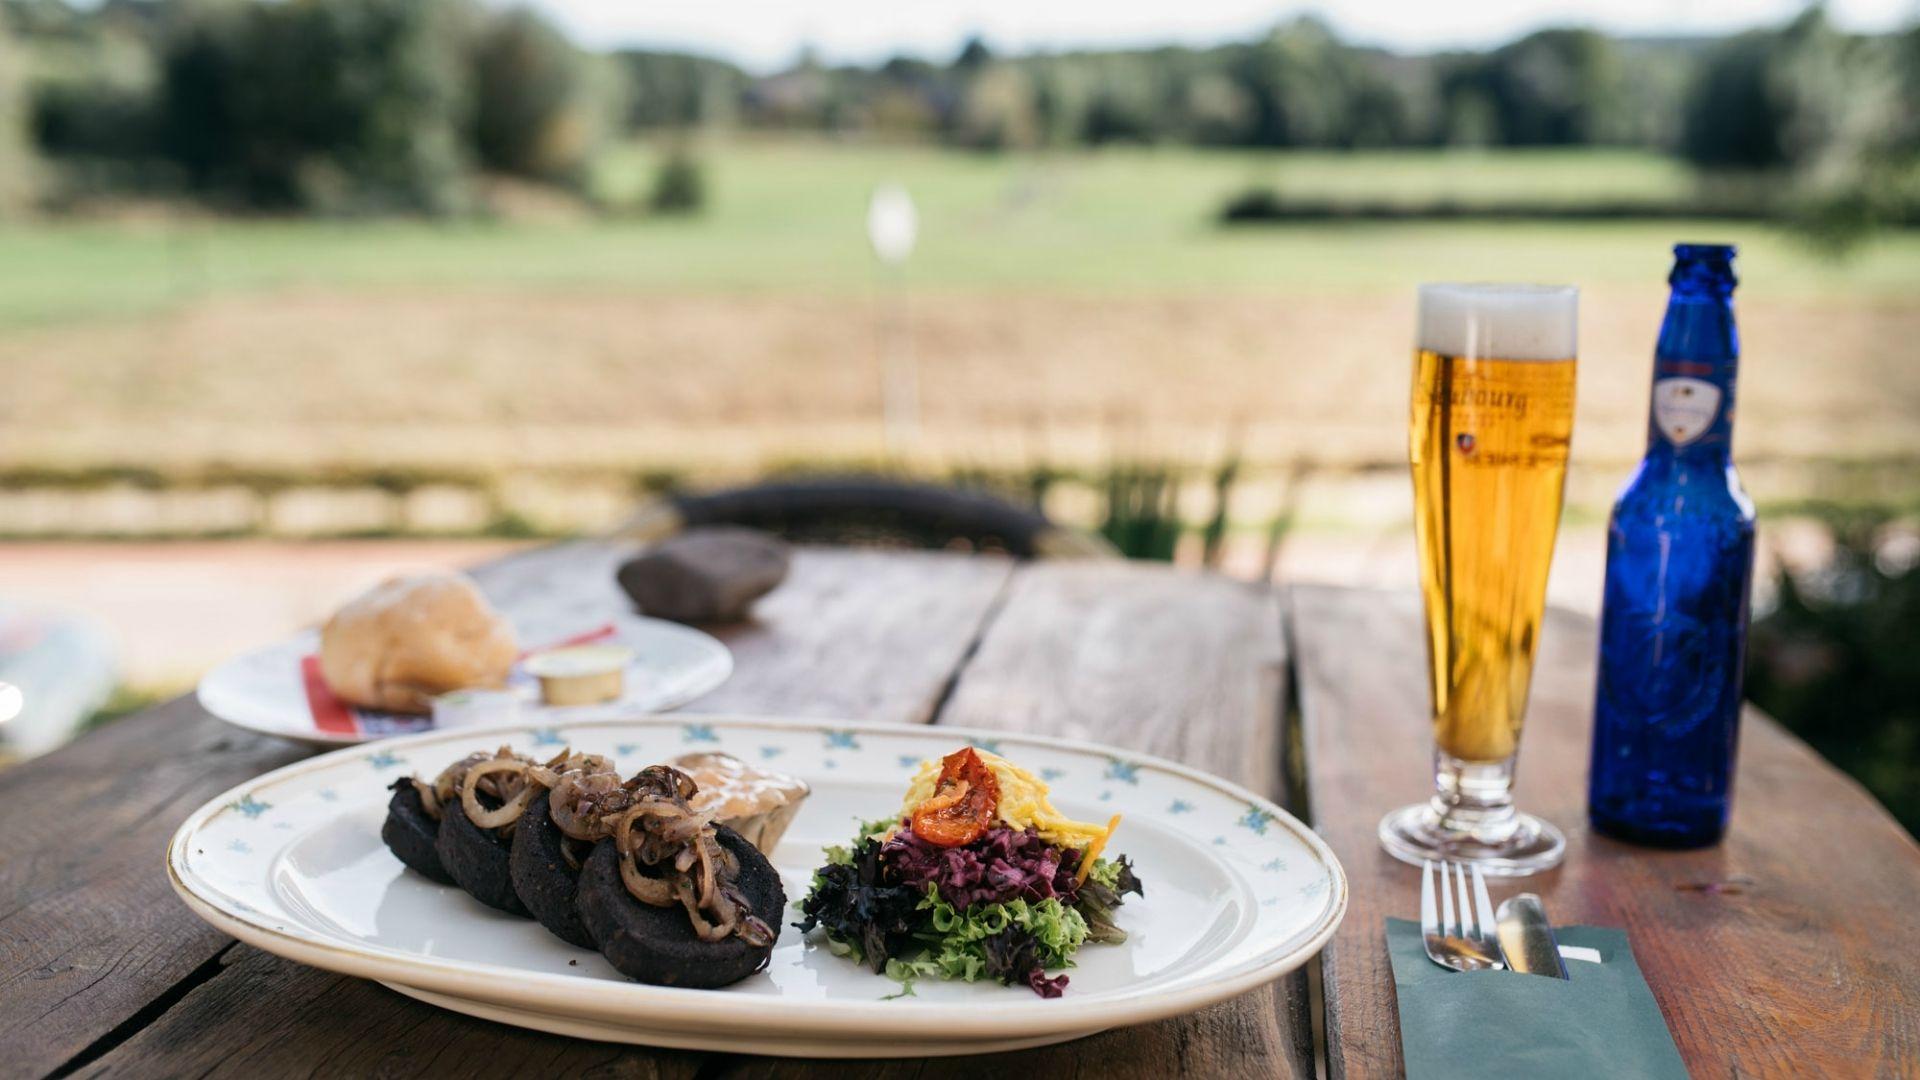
(1487, 436)
(1488, 441)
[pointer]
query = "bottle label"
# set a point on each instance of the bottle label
(1684, 408)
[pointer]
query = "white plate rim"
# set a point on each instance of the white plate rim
(559, 994)
(894, 1045)
(248, 720)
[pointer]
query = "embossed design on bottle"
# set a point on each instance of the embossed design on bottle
(1679, 665)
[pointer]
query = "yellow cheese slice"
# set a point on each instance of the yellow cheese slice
(1024, 803)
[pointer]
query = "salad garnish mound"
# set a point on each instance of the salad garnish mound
(977, 877)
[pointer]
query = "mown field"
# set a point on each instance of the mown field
(1071, 309)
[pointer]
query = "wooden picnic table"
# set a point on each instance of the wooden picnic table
(1788, 949)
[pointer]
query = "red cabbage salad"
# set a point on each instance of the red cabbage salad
(978, 877)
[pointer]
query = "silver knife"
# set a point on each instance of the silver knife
(1526, 937)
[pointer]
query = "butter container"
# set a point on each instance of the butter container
(580, 674)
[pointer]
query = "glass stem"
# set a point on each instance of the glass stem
(1474, 797)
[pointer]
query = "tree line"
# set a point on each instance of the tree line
(399, 105)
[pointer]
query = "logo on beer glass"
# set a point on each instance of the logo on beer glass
(1465, 442)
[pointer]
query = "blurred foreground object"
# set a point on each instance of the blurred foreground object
(706, 575)
(60, 671)
(870, 512)
(1673, 623)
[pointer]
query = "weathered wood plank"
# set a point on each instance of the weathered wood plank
(1233, 1040)
(859, 635)
(1786, 950)
(863, 634)
(851, 634)
(1185, 666)
(262, 1016)
(89, 930)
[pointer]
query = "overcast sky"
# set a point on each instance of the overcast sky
(766, 34)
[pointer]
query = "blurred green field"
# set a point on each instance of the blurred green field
(789, 216)
(1065, 310)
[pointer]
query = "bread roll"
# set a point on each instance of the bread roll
(412, 638)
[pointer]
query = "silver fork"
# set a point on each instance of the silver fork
(1469, 942)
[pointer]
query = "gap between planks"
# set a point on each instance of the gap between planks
(717, 1064)
(1299, 803)
(987, 620)
(146, 1014)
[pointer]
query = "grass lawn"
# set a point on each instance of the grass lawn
(789, 217)
(1064, 308)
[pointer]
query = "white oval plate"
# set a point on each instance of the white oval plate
(265, 690)
(1238, 893)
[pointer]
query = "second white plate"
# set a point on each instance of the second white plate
(266, 690)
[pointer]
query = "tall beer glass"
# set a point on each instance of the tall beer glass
(1490, 427)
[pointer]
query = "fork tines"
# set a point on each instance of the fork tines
(1455, 910)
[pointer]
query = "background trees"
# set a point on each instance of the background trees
(354, 106)
(15, 150)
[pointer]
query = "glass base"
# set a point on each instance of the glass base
(1519, 844)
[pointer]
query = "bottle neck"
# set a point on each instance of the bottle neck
(1695, 367)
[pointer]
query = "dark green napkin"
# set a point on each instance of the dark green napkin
(1600, 1022)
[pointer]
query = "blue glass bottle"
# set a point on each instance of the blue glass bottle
(1673, 623)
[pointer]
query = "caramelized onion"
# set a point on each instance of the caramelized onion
(704, 883)
(654, 829)
(446, 786)
(549, 773)
(655, 891)
(584, 786)
(512, 775)
(584, 805)
(429, 799)
(754, 931)
(704, 930)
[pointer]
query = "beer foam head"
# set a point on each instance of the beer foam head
(1500, 322)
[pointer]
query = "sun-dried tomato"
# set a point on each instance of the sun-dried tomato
(963, 803)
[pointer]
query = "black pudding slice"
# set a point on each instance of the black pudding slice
(546, 883)
(411, 833)
(657, 944)
(477, 858)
